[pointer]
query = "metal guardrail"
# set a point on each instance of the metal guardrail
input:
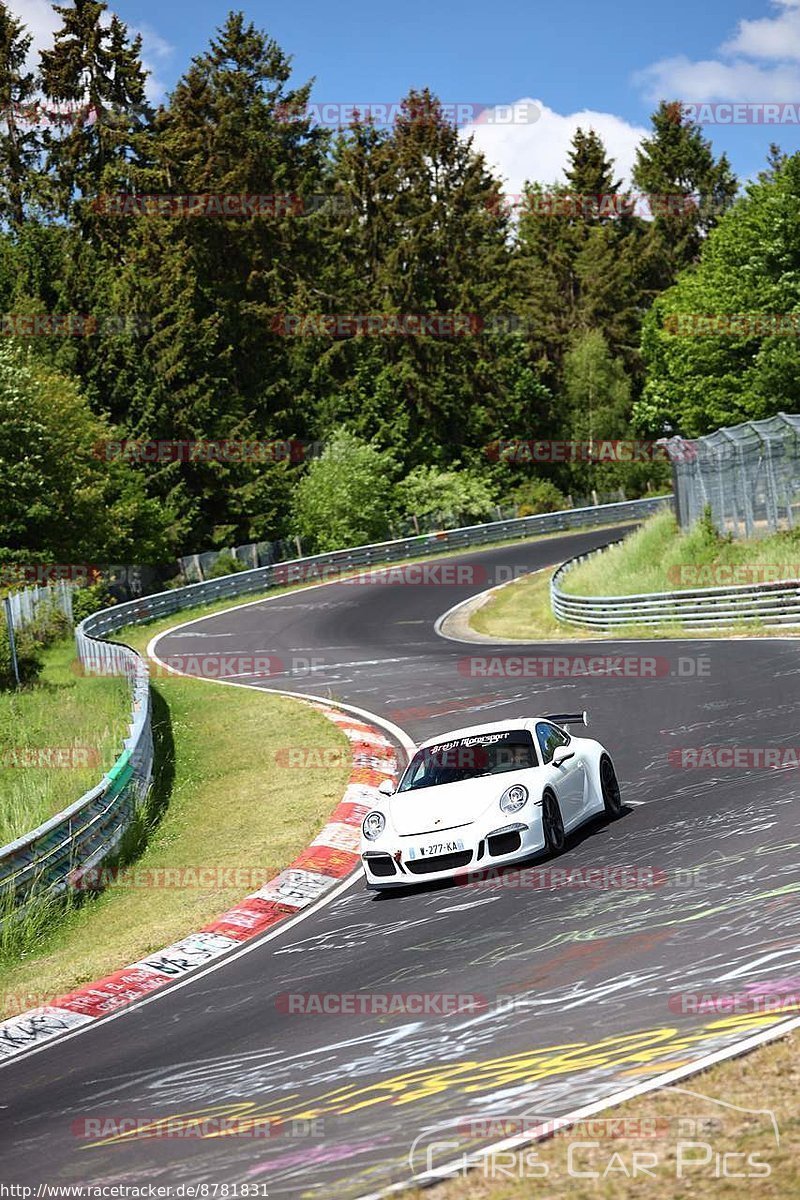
(53, 855)
(321, 566)
(771, 603)
(47, 859)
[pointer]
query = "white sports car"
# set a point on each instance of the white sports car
(485, 796)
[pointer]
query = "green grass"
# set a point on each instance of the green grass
(522, 612)
(653, 558)
(658, 557)
(221, 801)
(64, 716)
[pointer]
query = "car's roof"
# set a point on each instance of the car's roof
(477, 730)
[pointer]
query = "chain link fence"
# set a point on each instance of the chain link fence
(25, 606)
(748, 474)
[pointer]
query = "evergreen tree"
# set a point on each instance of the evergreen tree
(421, 234)
(689, 187)
(96, 82)
(775, 160)
(579, 260)
(20, 144)
(198, 362)
(544, 275)
(590, 177)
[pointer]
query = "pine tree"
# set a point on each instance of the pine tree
(690, 189)
(421, 234)
(212, 286)
(590, 177)
(95, 79)
(20, 144)
(578, 261)
(775, 160)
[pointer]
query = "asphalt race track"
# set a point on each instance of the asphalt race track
(584, 974)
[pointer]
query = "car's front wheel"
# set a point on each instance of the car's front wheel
(609, 786)
(553, 822)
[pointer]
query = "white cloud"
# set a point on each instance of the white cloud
(42, 20)
(760, 62)
(769, 37)
(709, 79)
(537, 150)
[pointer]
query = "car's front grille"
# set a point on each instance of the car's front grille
(440, 862)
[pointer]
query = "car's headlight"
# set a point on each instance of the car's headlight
(514, 798)
(374, 825)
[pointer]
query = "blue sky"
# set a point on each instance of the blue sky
(582, 62)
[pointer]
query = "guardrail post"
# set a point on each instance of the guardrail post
(12, 641)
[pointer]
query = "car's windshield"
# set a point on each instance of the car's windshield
(469, 758)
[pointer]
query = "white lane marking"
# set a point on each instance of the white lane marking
(204, 635)
(400, 735)
(373, 662)
(481, 707)
(471, 904)
(599, 1106)
(409, 746)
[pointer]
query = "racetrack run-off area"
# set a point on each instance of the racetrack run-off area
(566, 991)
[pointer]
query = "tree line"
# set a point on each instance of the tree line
(220, 269)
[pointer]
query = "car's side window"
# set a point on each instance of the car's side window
(549, 739)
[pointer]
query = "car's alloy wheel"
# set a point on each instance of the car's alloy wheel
(610, 788)
(553, 822)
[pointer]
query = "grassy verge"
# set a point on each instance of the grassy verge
(656, 557)
(767, 1079)
(222, 801)
(659, 557)
(57, 737)
(521, 611)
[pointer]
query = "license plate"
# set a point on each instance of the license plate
(435, 848)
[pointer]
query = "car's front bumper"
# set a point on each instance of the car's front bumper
(388, 863)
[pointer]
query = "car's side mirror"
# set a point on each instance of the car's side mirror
(561, 756)
(386, 787)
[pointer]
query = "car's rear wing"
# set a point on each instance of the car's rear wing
(568, 718)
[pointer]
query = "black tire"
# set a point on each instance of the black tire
(554, 836)
(609, 786)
